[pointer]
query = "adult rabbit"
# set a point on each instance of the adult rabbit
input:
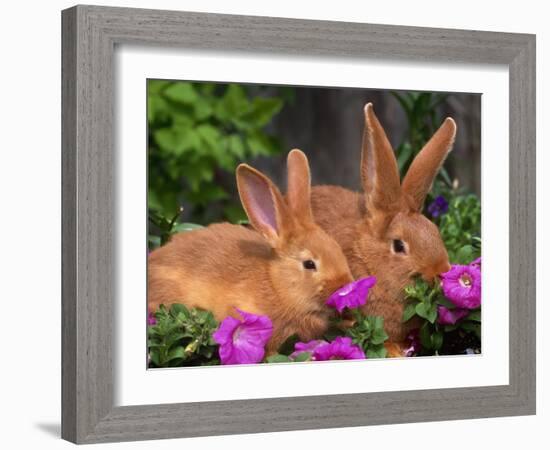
(286, 269)
(382, 231)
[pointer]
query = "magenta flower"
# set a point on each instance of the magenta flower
(243, 341)
(352, 295)
(462, 285)
(306, 347)
(151, 319)
(447, 316)
(413, 342)
(476, 262)
(340, 348)
(438, 207)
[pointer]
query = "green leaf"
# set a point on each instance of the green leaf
(425, 336)
(203, 109)
(474, 316)
(378, 336)
(209, 135)
(263, 110)
(156, 86)
(235, 214)
(156, 108)
(303, 357)
(408, 312)
(177, 141)
(234, 103)
(437, 340)
(378, 322)
(432, 313)
(175, 353)
(186, 227)
(155, 356)
(177, 309)
(423, 310)
(236, 145)
(277, 358)
(376, 352)
(404, 153)
(181, 92)
(445, 302)
(465, 255)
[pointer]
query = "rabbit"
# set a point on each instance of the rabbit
(382, 231)
(284, 268)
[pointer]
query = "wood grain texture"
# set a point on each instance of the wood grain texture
(89, 37)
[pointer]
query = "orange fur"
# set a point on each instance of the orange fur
(366, 224)
(223, 266)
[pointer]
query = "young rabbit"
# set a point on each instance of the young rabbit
(382, 232)
(286, 270)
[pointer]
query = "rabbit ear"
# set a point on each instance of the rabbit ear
(421, 174)
(379, 171)
(299, 185)
(263, 203)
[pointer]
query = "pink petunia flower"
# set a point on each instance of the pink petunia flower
(243, 341)
(447, 316)
(462, 285)
(303, 347)
(352, 295)
(339, 348)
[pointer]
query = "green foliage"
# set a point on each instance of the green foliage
(182, 336)
(460, 229)
(368, 333)
(164, 228)
(421, 111)
(197, 131)
(278, 358)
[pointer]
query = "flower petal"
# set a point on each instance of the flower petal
(302, 347)
(340, 348)
(352, 295)
(224, 333)
(447, 316)
(243, 341)
(459, 294)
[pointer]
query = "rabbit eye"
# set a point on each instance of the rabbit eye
(398, 246)
(309, 264)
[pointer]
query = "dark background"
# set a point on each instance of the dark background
(327, 124)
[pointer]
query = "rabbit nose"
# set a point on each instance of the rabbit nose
(434, 273)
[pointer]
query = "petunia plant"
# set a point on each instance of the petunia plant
(449, 312)
(369, 334)
(181, 336)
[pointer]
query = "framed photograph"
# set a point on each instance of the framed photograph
(277, 224)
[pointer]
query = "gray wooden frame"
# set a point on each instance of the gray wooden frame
(90, 34)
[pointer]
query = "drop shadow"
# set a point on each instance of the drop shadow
(53, 429)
